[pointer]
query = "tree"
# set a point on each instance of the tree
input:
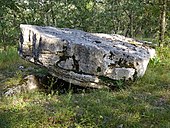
(162, 26)
(7, 22)
(132, 18)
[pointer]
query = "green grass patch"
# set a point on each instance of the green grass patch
(144, 104)
(11, 72)
(9, 57)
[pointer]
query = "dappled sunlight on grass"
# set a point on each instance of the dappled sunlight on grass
(27, 110)
(146, 103)
(96, 109)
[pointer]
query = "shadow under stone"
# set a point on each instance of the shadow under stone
(51, 84)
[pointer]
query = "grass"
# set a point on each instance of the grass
(9, 62)
(144, 104)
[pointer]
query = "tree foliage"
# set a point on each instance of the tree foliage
(132, 18)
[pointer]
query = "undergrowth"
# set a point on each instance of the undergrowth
(144, 104)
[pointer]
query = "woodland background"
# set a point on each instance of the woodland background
(133, 18)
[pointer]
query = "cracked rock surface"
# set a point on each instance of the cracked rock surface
(83, 58)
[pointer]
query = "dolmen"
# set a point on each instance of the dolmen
(82, 58)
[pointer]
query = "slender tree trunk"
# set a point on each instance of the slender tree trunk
(3, 40)
(53, 16)
(131, 24)
(162, 22)
(130, 27)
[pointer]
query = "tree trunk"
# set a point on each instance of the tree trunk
(131, 24)
(3, 40)
(162, 21)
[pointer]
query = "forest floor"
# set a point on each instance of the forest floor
(145, 103)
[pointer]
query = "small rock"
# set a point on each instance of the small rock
(120, 126)
(29, 83)
(21, 67)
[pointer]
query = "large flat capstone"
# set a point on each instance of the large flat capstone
(84, 58)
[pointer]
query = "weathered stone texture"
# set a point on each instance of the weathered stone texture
(81, 58)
